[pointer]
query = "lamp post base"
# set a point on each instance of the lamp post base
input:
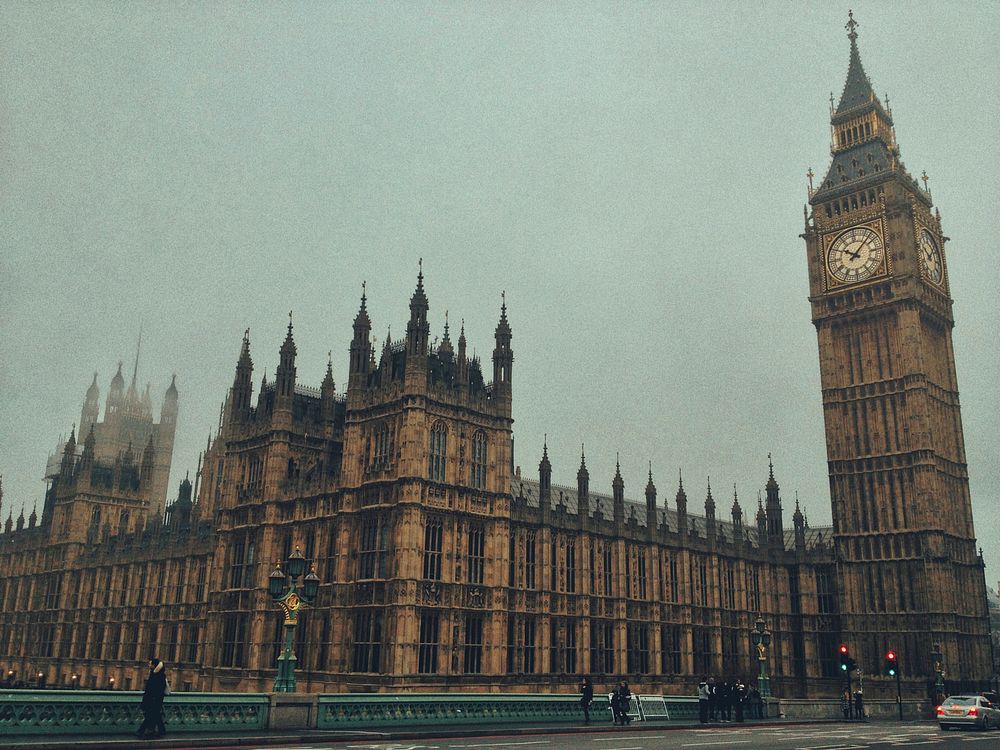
(285, 681)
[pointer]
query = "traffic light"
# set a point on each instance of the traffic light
(845, 658)
(891, 663)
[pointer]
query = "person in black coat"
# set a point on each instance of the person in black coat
(586, 698)
(152, 701)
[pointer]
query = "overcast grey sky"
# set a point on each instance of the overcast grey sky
(632, 174)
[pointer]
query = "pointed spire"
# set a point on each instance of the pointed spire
(857, 88)
(681, 497)
(737, 511)
(709, 500)
(89, 443)
(797, 516)
(650, 487)
(93, 392)
(503, 326)
(328, 378)
(285, 374)
(771, 483)
(545, 476)
(361, 320)
(138, 348)
(617, 483)
(118, 382)
(172, 389)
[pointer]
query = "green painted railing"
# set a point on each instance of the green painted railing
(111, 712)
(415, 709)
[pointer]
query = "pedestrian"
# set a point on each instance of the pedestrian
(713, 699)
(726, 701)
(586, 698)
(152, 701)
(756, 703)
(703, 701)
(845, 703)
(740, 698)
(859, 705)
(624, 699)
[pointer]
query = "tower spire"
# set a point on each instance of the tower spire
(138, 348)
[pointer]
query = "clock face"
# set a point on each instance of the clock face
(930, 257)
(855, 255)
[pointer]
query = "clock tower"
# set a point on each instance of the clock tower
(908, 568)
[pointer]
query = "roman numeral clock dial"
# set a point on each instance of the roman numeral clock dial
(855, 255)
(930, 258)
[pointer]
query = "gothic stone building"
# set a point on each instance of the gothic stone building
(443, 568)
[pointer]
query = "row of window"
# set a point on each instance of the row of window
(172, 642)
(437, 456)
(165, 582)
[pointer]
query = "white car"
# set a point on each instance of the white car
(968, 710)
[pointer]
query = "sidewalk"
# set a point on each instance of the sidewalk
(321, 737)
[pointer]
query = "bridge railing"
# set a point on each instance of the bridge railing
(55, 712)
(110, 712)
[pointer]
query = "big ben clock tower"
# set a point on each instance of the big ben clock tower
(878, 276)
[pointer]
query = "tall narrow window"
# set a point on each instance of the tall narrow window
(477, 553)
(637, 635)
(473, 644)
(606, 562)
(234, 635)
(427, 651)
(371, 560)
(477, 468)
(642, 573)
(438, 452)
(529, 560)
(570, 555)
(367, 641)
(433, 532)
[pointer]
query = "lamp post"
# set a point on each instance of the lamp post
(761, 638)
(74, 682)
(281, 585)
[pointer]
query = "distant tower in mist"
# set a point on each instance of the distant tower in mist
(128, 425)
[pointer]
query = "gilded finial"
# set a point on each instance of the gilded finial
(851, 25)
(925, 178)
(810, 174)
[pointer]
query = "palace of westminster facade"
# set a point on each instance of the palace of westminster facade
(442, 568)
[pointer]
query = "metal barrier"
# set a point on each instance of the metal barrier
(384, 709)
(109, 712)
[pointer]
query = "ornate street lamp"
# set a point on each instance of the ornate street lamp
(761, 638)
(290, 600)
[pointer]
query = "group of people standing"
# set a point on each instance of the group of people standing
(620, 698)
(728, 701)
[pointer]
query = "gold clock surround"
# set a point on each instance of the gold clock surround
(929, 250)
(855, 255)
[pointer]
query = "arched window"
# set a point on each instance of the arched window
(438, 452)
(477, 468)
